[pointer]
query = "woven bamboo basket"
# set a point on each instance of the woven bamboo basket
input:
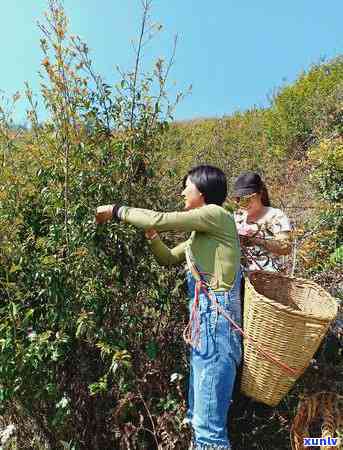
(287, 317)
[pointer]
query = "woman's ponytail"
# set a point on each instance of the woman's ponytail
(264, 195)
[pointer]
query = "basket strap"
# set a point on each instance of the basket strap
(191, 333)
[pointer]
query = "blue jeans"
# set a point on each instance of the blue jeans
(213, 367)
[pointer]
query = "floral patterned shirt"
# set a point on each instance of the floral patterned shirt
(274, 221)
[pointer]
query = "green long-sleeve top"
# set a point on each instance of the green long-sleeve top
(214, 241)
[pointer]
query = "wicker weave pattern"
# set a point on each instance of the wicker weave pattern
(288, 317)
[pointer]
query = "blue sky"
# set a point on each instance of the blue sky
(233, 52)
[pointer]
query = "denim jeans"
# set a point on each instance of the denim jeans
(213, 367)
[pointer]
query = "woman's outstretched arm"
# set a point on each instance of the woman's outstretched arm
(198, 219)
(202, 219)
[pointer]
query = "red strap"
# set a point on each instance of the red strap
(190, 336)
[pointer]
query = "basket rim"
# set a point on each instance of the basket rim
(289, 309)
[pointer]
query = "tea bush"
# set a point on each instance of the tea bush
(87, 316)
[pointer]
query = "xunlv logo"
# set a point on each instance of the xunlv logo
(317, 442)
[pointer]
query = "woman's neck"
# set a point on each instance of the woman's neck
(255, 215)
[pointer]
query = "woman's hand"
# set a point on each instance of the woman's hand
(104, 213)
(245, 240)
(151, 234)
(279, 246)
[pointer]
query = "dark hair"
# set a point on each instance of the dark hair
(210, 181)
(264, 195)
(248, 183)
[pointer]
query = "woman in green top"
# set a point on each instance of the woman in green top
(213, 251)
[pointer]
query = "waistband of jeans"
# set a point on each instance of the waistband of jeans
(205, 302)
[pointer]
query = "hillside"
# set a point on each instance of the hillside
(91, 327)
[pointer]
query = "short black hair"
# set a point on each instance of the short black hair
(210, 181)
